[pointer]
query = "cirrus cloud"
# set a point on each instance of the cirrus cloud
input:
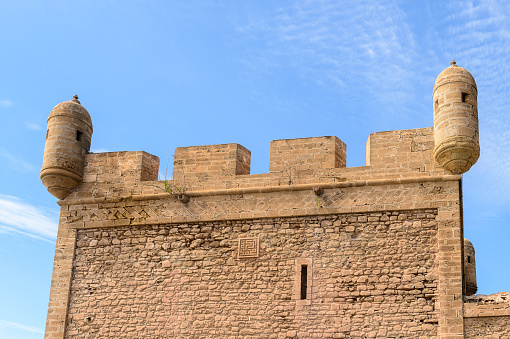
(19, 217)
(6, 103)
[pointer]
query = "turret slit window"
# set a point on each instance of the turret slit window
(304, 281)
(302, 289)
(79, 135)
(469, 259)
(464, 97)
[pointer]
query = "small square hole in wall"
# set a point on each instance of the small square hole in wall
(248, 248)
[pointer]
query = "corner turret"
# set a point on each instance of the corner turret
(455, 120)
(470, 286)
(67, 143)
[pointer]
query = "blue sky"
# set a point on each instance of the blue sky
(156, 75)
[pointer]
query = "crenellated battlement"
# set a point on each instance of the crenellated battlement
(317, 160)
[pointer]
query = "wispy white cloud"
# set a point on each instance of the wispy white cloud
(335, 43)
(11, 324)
(33, 126)
(16, 162)
(17, 216)
(6, 103)
(11, 230)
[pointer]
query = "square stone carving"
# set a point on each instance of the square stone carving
(248, 248)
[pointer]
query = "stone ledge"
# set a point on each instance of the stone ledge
(266, 189)
(494, 305)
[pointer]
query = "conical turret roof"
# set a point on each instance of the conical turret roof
(72, 108)
(454, 73)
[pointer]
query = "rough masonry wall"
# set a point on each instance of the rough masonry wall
(487, 327)
(372, 275)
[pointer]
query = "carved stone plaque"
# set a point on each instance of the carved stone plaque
(248, 248)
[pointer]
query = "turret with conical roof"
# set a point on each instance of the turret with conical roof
(67, 143)
(456, 120)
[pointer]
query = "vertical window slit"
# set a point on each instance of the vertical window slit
(469, 259)
(304, 281)
(79, 135)
(464, 97)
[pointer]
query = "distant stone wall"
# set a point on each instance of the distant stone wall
(369, 275)
(487, 316)
(487, 327)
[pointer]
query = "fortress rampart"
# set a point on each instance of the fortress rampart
(310, 249)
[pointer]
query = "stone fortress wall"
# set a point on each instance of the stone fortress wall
(312, 249)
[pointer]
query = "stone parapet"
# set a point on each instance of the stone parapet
(307, 154)
(210, 162)
(120, 167)
(395, 155)
(403, 149)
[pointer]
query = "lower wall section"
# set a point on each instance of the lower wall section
(487, 327)
(367, 275)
